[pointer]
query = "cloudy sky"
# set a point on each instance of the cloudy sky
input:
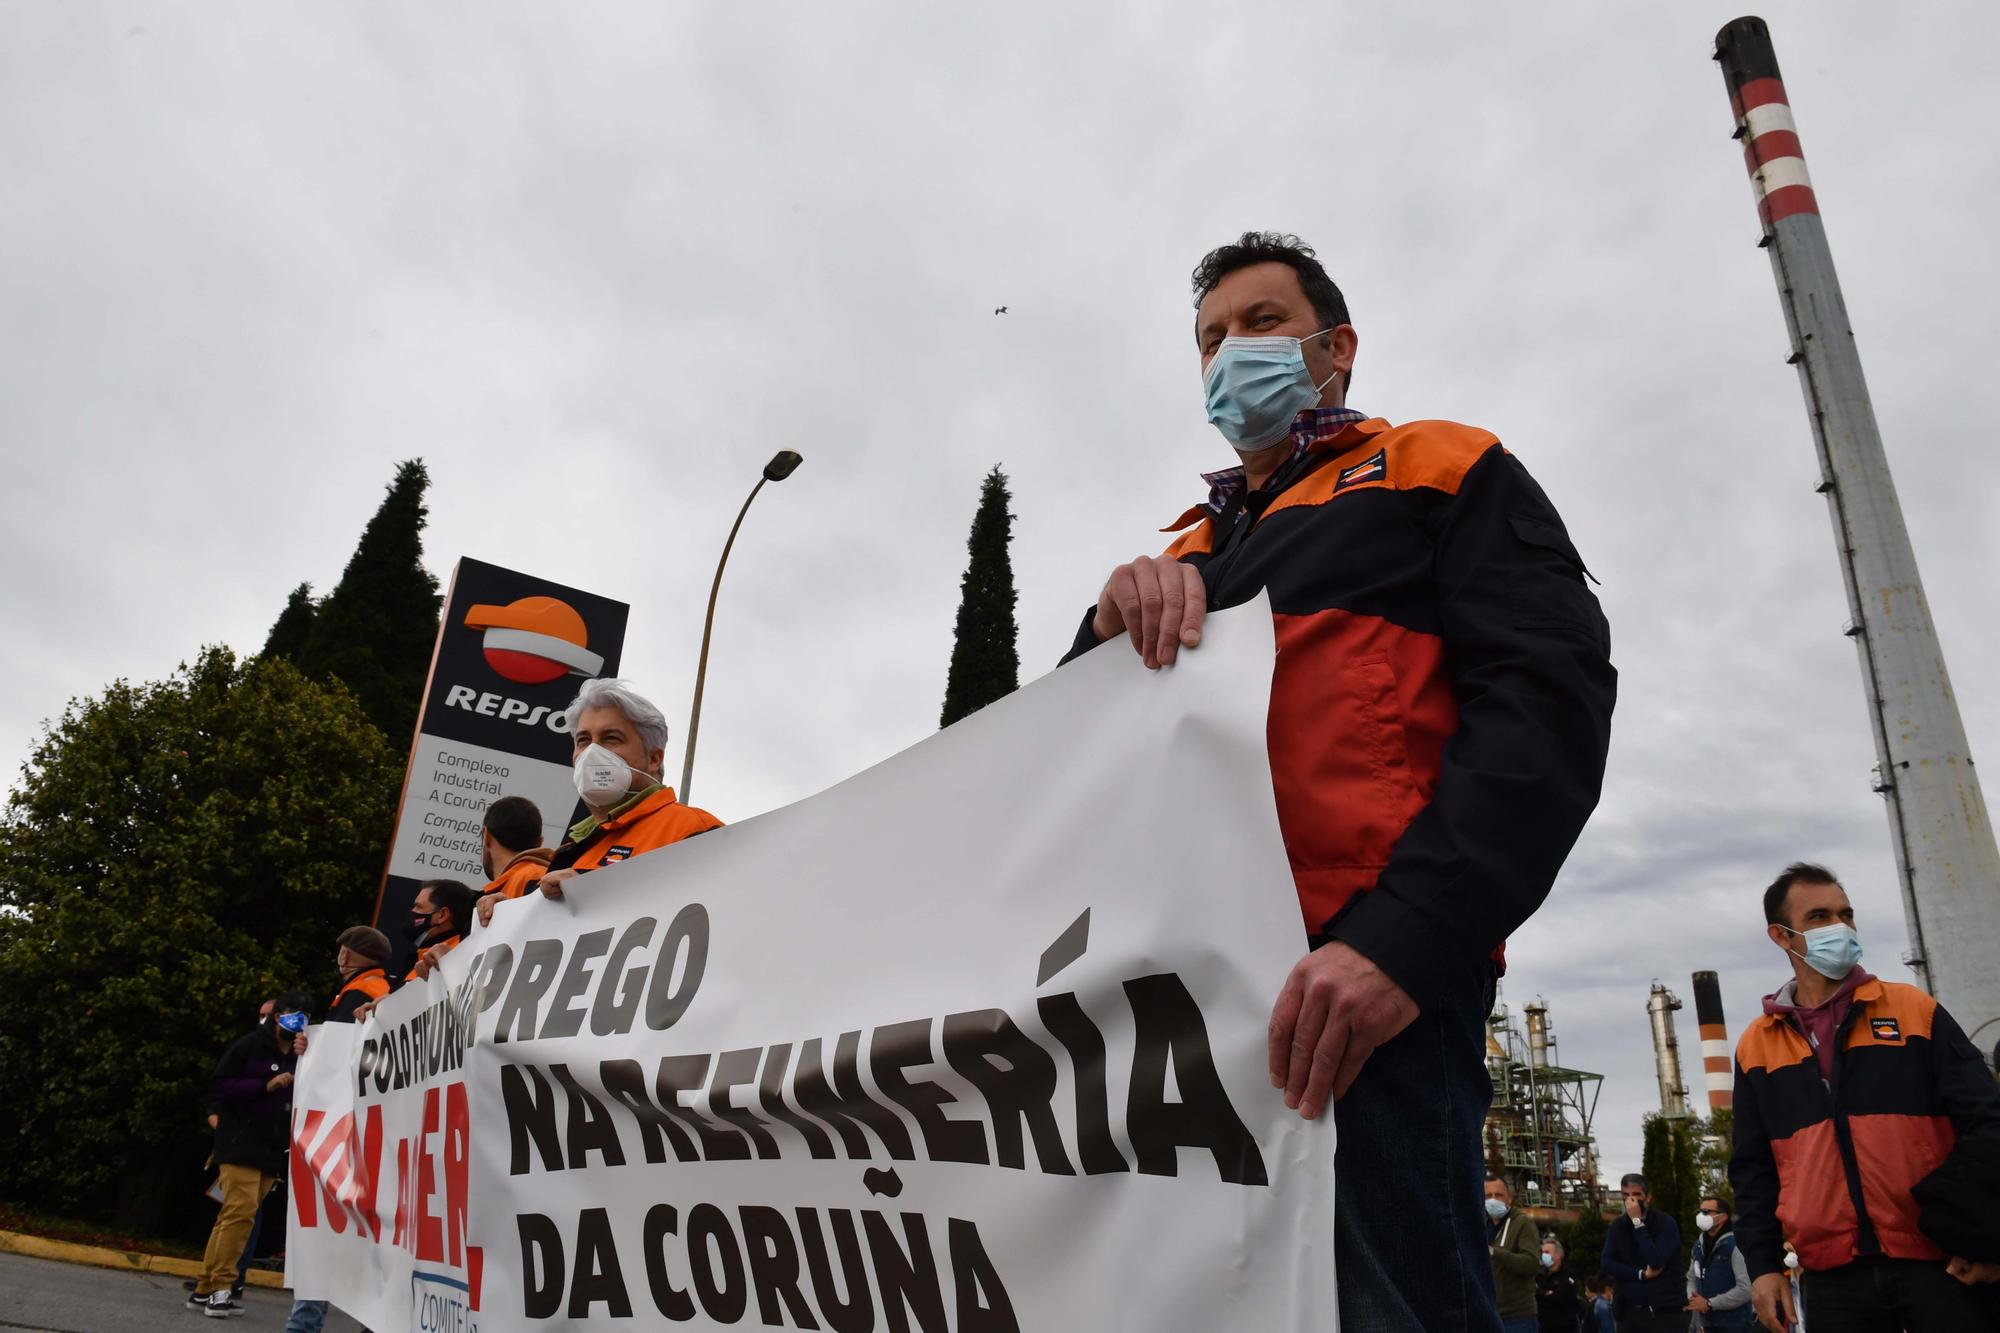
(595, 263)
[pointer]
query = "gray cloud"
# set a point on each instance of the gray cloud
(595, 265)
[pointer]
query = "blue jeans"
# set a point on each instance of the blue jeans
(1409, 1235)
(1527, 1323)
(307, 1317)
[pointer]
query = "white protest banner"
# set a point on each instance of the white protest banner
(972, 1041)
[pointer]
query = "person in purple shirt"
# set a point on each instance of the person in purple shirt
(251, 1094)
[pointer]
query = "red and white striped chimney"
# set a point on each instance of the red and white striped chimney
(1716, 1059)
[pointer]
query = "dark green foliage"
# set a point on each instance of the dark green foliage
(174, 853)
(1583, 1243)
(376, 629)
(1672, 1168)
(1713, 1160)
(293, 631)
(985, 665)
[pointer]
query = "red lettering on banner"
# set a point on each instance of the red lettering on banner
(430, 1227)
(366, 1152)
(404, 1184)
(330, 1180)
(302, 1190)
(457, 1152)
(475, 1268)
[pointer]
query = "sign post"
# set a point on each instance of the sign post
(511, 651)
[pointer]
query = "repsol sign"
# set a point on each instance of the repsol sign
(488, 704)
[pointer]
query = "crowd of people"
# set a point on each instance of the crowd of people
(620, 746)
(1439, 719)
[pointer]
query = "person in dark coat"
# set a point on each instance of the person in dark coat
(1642, 1253)
(251, 1093)
(1558, 1295)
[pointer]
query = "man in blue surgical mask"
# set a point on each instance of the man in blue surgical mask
(1851, 1090)
(1440, 710)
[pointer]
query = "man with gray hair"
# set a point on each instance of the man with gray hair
(620, 743)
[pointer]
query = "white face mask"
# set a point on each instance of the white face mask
(1706, 1221)
(602, 778)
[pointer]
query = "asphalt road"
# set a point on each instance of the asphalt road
(49, 1297)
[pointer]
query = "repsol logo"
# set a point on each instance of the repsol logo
(489, 704)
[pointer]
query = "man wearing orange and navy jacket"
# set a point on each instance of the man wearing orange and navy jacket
(511, 852)
(363, 960)
(1849, 1091)
(1440, 713)
(620, 742)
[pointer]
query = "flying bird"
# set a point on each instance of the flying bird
(1000, 310)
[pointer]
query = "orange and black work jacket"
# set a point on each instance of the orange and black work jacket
(646, 823)
(371, 983)
(520, 874)
(1441, 702)
(1831, 1165)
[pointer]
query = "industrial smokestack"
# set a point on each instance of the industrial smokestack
(1660, 1008)
(1716, 1061)
(1538, 1033)
(1942, 837)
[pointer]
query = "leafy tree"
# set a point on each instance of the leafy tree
(293, 631)
(174, 853)
(1583, 1242)
(1671, 1168)
(376, 629)
(1712, 1158)
(985, 664)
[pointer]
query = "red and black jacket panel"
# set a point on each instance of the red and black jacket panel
(1832, 1168)
(1441, 703)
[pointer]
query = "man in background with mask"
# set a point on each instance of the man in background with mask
(621, 746)
(362, 956)
(1515, 1244)
(251, 1092)
(1718, 1281)
(1440, 711)
(440, 916)
(1849, 1091)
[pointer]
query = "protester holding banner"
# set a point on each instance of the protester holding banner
(1439, 718)
(620, 742)
(511, 852)
(251, 1093)
(362, 959)
(439, 919)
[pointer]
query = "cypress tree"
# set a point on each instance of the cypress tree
(985, 664)
(375, 631)
(293, 631)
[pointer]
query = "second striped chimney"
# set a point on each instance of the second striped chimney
(1716, 1059)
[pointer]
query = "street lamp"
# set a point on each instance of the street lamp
(782, 465)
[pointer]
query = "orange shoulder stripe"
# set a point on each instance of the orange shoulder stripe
(1770, 1043)
(1432, 455)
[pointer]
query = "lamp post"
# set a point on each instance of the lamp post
(782, 465)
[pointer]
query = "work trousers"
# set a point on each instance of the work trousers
(1409, 1235)
(1896, 1296)
(243, 1191)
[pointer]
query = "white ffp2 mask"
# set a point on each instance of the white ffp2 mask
(601, 777)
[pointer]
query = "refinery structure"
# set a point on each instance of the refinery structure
(1538, 1136)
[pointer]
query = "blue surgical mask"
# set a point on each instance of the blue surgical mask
(1255, 388)
(1832, 951)
(1496, 1209)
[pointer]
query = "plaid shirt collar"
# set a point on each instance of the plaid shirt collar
(1315, 423)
